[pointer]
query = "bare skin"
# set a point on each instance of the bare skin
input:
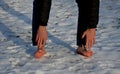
(90, 37)
(90, 41)
(41, 37)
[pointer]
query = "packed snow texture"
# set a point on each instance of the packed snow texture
(17, 52)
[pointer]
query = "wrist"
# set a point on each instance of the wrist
(42, 27)
(92, 29)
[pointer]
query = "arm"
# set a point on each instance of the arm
(45, 11)
(93, 18)
(93, 14)
(41, 10)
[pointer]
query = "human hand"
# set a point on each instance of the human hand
(41, 37)
(90, 37)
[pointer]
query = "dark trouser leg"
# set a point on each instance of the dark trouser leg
(82, 22)
(35, 20)
(41, 10)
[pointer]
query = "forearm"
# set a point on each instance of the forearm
(93, 14)
(41, 11)
(45, 12)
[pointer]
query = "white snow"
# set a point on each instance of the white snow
(17, 52)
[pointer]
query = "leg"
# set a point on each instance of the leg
(41, 9)
(82, 27)
(82, 22)
(35, 19)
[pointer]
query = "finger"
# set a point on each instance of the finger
(90, 44)
(39, 43)
(36, 37)
(44, 42)
(86, 43)
(94, 40)
(83, 35)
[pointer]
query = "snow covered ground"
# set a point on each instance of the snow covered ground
(16, 50)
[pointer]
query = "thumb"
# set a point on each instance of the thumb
(83, 35)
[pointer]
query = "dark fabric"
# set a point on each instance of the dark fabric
(41, 10)
(88, 18)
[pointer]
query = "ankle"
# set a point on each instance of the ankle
(42, 48)
(82, 46)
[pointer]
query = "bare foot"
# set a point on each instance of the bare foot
(84, 52)
(39, 53)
